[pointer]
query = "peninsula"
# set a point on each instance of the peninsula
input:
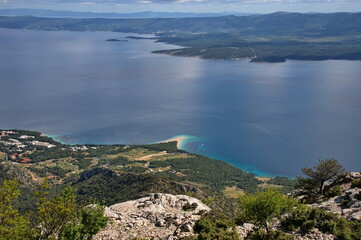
(272, 37)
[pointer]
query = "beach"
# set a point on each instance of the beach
(178, 139)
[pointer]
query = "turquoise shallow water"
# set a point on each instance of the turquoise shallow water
(196, 144)
(270, 119)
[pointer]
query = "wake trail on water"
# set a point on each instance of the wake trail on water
(267, 131)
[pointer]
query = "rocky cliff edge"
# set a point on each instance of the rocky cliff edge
(158, 216)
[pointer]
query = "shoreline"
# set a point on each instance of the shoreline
(181, 140)
(178, 139)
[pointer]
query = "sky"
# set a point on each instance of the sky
(245, 6)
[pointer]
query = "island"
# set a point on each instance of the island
(272, 37)
(116, 40)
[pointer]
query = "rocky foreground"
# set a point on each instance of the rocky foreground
(166, 216)
(347, 204)
(159, 216)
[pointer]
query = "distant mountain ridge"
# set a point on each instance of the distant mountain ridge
(272, 37)
(145, 14)
(279, 23)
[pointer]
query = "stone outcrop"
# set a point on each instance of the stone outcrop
(167, 216)
(244, 229)
(315, 234)
(159, 216)
(346, 204)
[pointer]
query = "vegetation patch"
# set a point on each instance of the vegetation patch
(190, 207)
(356, 183)
(233, 192)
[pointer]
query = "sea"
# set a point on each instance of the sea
(271, 119)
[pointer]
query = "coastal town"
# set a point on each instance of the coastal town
(18, 145)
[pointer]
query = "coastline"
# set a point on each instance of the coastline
(182, 142)
(179, 139)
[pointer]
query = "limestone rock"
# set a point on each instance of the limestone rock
(315, 235)
(347, 204)
(244, 229)
(158, 216)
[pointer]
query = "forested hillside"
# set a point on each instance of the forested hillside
(269, 37)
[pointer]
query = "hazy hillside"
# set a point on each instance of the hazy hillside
(146, 14)
(270, 37)
(334, 24)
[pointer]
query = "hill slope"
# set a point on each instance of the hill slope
(270, 37)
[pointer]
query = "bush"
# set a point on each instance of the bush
(271, 235)
(84, 163)
(307, 218)
(358, 196)
(265, 206)
(356, 183)
(190, 207)
(307, 226)
(90, 221)
(355, 229)
(346, 201)
(344, 231)
(57, 217)
(296, 218)
(334, 191)
(288, 185)
(120, 160)
(215, 225)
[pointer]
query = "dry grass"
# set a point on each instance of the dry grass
(233, 192)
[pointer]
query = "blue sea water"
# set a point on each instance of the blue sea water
(270, 119)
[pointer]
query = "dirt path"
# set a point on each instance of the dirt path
(148, 157)
(37, 179)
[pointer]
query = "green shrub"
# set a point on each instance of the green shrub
(90, 221)
(344, 230)
(328, 226)
(344, 202)
(358, 196)
(271, 235)
(263, 207)
(307, 226)
(190, 207)
(208, 200)
(334, 191)
(356, 183)
(84, 163)
(288, 185)
(215, 225)
(256, 235)
(136, 169)
(307, 218)
(120, 160)
(355, 229)
(296, 218)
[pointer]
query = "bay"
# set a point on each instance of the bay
(266, 118)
